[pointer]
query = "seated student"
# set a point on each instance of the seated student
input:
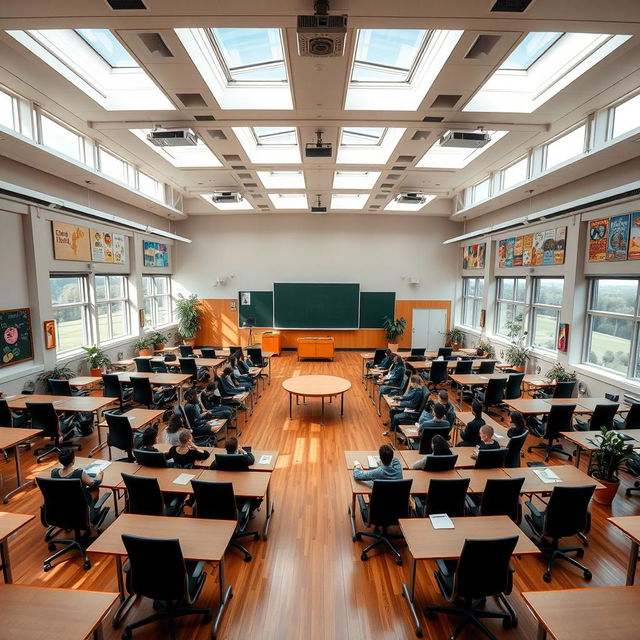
(231, 447)
(67, 458)
(185, 453)
(470, 435)
(410, 400)
(228, 384)
(390, 468)
(518, 426)
(198, 422)
(392, 381)
(242, 379)
(384, 364)
(174, 427)
(149, 439)
(435, 419)
(486, 440)
(443, 398)
(211, 402)
(439, 447)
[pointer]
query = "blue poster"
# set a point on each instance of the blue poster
(156, 254)
(618, 240)
(511, 246)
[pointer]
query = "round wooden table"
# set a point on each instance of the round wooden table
(316, 387)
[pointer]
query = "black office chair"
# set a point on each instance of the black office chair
(513, 389)
(209, 439)
(113, 389)
(564, 389)
(378, 356)
(143, 393)
(235, 350)
(186, 351)
(146, 458)
(602, 416)
(501, 497)
(441, 463)
(492, 396)
(437, 374)
(427, 436)
(633, 467)
(157, 570)
(631, 420)
(189, 367)
(514, 448)
(445, 352)
(417, 355)
(388, 503)
(483, 570)
(231, 462)
(143, 365)
(145, 498)
(463, 368)
(255, 355)
(66, 507)
(444, 496)
(487, 366)
(120, 434)
(208, 352)
(217, 501)
(61, 387)
(10, 419)
(158, 365)
(558, 420)
(44, 417)
(491, 459)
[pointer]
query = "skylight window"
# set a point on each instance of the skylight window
(362, 136)
(439, 157)
(367, 145)
(282, 179)
(242, 205)
(289, 200)
(530, 50)
(108, 47)
(349, 201)
(275, 135)
(269, 145)
(409, 206)
(198, 156)
(251, 55)
(355, 179)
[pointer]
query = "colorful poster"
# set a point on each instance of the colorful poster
(101, 246)
(618, 239)
(482, 249)
(549, 246)
(502, 252)
(156, 254)
(561, 243)
(634, 237)
(527, 250)
(465, 257)
(70, 242)
(517, 252)
(538, 252)
(563, 336)
(598, 239)
(16, 344)
(511, 245)
(473, 256)
(119, 248)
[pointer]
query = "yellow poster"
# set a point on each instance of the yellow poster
(70, 242)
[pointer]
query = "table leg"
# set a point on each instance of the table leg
(341, 404)
(267, 522)
(290, 406)
(578, 452)
(125, 601)
(100, 444)
(542, 632)
(352, 516)
(97, 634)
(633, 561)
(6, 563)
(409, 592)
(322, 411)
(19, 484)
(269, 371)
(225, 596)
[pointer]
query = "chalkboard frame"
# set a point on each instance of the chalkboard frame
(6, 348)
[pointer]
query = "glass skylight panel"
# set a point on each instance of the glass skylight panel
(289, 200)
(242, 205)
(108, 47)
(355, 179)
(626, 116)
(275, 135)
(351, 201)
(409, 206)
(386, 55)
(282, 179)
(269, 145)
(439, 157)
(198, 156)
(362, 136)
(531, 49)
(566, 147)
(367, 145)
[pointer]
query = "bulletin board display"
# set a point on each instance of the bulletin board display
(83, 244)
(473, 256)
(614, 239)
(16, 339)
(533, 249)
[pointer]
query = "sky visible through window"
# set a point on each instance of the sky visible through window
(529, 50)
(107, 46)
(275, 135)
(362, 135)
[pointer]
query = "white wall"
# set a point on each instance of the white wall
(370, 249)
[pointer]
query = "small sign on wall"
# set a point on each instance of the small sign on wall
(49, 334)
(563, 336)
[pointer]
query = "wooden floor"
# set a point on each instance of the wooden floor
(307, 580)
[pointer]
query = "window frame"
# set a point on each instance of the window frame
(476, 301)
(153, 297)
(518, 307)
(84, 305)
(535, 306)
(109, 301)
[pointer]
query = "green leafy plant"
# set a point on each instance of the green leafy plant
(188, 315)
(517, 352)
(59, 372)
(393, 328)
(142, 343)
(611, 454)
(158, 337)
(97, 357)
(559, 374)
(454, 336)
(485, 347)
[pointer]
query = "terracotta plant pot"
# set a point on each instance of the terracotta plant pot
(145, 352)
(189, 343)
(605, 496)
(96, 373)
(394, 347)
(455, 345)
(519, 369)
(159, 346)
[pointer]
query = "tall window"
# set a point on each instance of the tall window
(112, 307)
(547, 300)
(158, 310)
(613, 325)
(511, 302)
(472, 289)
(70, 311)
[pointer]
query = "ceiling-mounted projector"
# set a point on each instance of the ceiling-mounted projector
(411, 198)
(226, 196)
(464, 139)
(321, 35)
(172, 138)
(318, 149)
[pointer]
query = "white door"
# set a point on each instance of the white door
(420, 328)
(429, 327)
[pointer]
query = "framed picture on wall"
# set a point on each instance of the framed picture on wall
(483, 317)
(563, 337)
(16, 344)
(49, 334)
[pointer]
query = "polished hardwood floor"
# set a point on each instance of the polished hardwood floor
(307, 580)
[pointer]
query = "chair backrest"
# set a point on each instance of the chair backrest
(150, 458)
(447, 496)
(143, 365)
(208, 352)
(424, 401)
(603, 416)
(405, 383)
(613, 397)
(438, 371)
(65, 503)
(501, 497)
(59, 387)
(6, 419)
(234, 349)
(144, 495)
(142, 391)
(559, 419)
(417, 352)
(157, 568)
(120, 431)
(158, 365)
(567, 512)
(170, 357)
(112, 386)
(513, 389)
(214, 500)
(180, 409)
(186, 351)
(255, 355)
(231, 462)
(564, 389)
(514, 447)
(188, 366)
(445, 352)
(441, 463)
(44, 416)
(427, 436)
(487, 366)
(632, 421)
(491, 459)
(463, 367)
(483, 568)
(378, 356)
(389, 501)
(495, 392)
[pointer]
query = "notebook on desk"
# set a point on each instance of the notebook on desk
(373, 461)
(548, 476)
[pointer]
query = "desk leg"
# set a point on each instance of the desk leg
(270, 371)
(6, 563)
(542, 632)
(352, 516)
(97, 634)
(633, 561)
(322, 410)
(290, 407)
(341, 404)
(379, 404)
(125, 601)
(100, 444)
(19, 484)
(225, 596)
(409, 592)
(267, 522)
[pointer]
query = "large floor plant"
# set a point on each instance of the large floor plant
(188, 316)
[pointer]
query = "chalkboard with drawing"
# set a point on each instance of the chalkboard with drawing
(16, 343)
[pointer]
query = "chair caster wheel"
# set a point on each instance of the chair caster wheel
(46, 567)
(358, 537)
(363, 557)
(51, 546)
(506, 623)
(256, 536)
(126, 635)
(247, 557)
(207, 618)
(429, 614)
(547, 577)
(580, 553)
(399, 562)
(86, 565)
(514, 623)
(588, 575)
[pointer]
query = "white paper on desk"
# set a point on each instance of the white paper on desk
(238, 396)
(9, 397)
(441, 521)
(547, 475)
(97, 467)
(497, 435)
(184, 478)
(373, 461)
(265, 459)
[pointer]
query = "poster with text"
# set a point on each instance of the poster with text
(511, 245)
(517, 252)
(527, 250)
(70, 242)
(598, 239)
(101, 246)
(119, 248)
(549, 246)
(538, 252)
(502, 252)
(156, 254)
(561, 245)
(634, 237)
(618, 239)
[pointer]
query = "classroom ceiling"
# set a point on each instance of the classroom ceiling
(319, 95)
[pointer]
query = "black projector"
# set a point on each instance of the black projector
(318, 150)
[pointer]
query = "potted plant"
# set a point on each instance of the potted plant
(142, 346)
(517, 352)
(485, 350)
(188, 316)
(454, 338)
(606, 461)
(159, 340)
(558, 373)
(393, 329)
(59, 372)
(97, 358)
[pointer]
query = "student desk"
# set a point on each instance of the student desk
(465, 417)
(568, 474)
(426, 543)
(366, 357)
(411, 456)
(601, 613)
(257, 454)
(630, 526)
(10, 523)
(316, 386)
(536, 383)
(34, 613)
(80, 382)
(200, 540)
(478, 477)
(539, 406)
(158, 379)
(473, 380)
(10, 438)
(362, 458)
(581, 440)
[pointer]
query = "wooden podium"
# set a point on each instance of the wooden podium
(315, 348)
(271, 342)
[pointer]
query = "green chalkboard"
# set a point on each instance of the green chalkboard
(312, 305)
(374, 306)
(16, 343)
(260, 307)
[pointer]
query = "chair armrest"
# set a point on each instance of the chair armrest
(534, 510)
(103, 498)
(472, 507)
(198, 569)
